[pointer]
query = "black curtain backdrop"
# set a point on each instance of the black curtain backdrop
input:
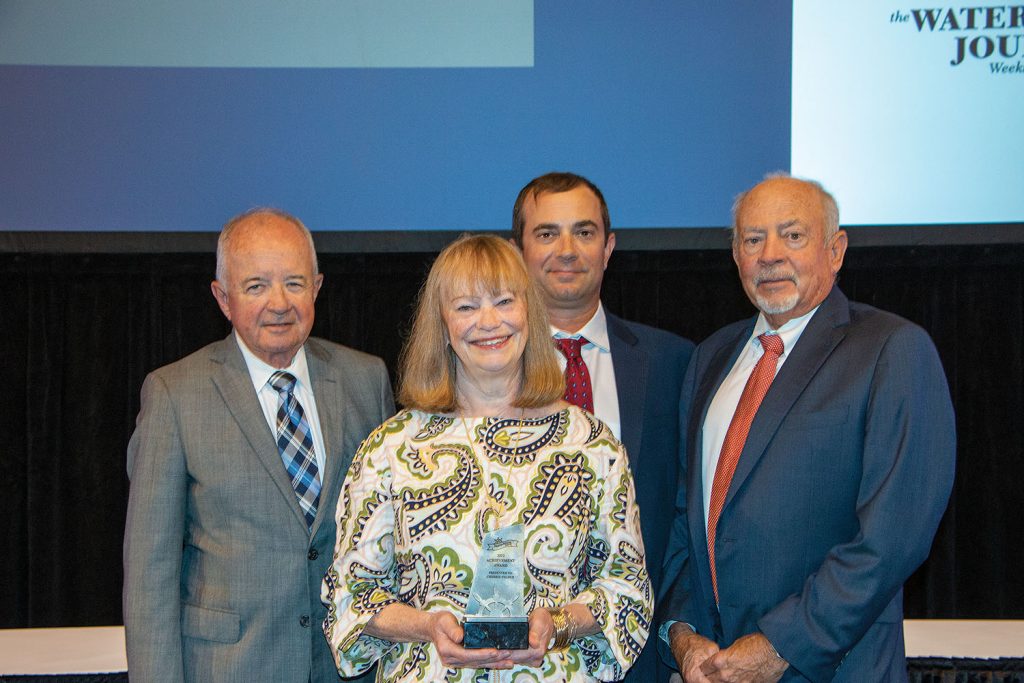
(78, 333)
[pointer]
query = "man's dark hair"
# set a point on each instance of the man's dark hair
(554, 182)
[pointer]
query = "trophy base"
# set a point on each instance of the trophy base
(503, 633)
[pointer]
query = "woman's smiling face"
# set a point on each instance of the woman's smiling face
(488, 332)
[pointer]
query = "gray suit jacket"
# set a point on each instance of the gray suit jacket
(840, 486)
(222, 576)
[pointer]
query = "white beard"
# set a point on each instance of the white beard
(779, 305)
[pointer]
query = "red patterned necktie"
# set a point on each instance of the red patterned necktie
(578, 390)
(753, 393)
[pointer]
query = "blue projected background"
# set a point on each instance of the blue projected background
(359, 115)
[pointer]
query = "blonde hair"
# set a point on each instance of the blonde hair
(427, 366)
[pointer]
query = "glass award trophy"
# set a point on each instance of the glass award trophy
(496, 616)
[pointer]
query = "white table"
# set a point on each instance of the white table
(92, 649)
(971, 638)
(100, 649)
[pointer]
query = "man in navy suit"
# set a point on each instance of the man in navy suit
(840, 477)
(561, 223)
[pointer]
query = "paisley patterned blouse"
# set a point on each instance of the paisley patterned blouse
(417, 501)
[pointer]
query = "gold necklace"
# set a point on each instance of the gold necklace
(500, 509)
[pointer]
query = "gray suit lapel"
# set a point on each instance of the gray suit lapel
(329, 393)
(823, 333)
(631, 367)
(235, 386)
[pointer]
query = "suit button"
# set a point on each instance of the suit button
(304, 621)
(313, 554)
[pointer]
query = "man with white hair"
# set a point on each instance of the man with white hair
(818, 459)
(238, 455)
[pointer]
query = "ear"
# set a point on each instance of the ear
(837, 250)
(609, 247)
(317, 282)
(221, 295)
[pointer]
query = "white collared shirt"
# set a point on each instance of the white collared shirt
(260, 373)
(723, 405)
(597, 354)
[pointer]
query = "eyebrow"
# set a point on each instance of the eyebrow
(586, 223)
(778, 226)
(260, 278)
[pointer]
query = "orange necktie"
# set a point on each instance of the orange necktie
(753, 393)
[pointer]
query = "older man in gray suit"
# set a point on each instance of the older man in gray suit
(238, 455)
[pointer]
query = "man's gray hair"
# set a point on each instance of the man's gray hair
(830, 208)
(224, 241)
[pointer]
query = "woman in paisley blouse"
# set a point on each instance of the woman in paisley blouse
(486, 442)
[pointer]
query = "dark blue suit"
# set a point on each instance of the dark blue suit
(649, 367)
(840, 487)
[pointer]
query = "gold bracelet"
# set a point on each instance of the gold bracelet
(565, 627)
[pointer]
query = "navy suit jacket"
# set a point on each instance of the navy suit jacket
(649, 368)
(841, 484)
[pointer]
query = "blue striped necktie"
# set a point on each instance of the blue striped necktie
(295, 443)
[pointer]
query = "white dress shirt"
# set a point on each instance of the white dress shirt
(597, 354)
(260, 373)
(723, 405)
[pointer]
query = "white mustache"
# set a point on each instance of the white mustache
(774, 275)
